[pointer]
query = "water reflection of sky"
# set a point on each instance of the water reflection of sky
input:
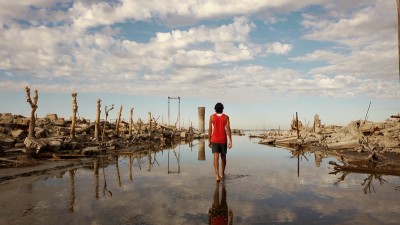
(262, 187)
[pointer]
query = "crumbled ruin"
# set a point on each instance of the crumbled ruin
(361, 145)
(52, 136)
(356, 136)
(24, 139)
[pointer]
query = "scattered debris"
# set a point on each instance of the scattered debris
(57, 138)
(358, 136)
(362, 146)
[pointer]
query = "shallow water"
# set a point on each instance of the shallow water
(177, 186)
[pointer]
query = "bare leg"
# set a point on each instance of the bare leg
(216, 165)
(223, 160)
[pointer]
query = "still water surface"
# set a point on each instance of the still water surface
(177, 186)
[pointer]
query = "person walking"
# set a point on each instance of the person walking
(219, 138)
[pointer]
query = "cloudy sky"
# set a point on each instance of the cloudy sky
(265, 60)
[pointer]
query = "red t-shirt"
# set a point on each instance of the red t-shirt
(219, 132)
(219, 220)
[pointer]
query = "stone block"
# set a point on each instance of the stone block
(349, 144)
(6, 119)
(33, 144)
(54, 145)
(21, 121)
(19, 134)
(389, 142)
(52, 117)
(40, 133)
(59, 122)
(5, 114)
(183, 134)
(6, 140)
(61, 130)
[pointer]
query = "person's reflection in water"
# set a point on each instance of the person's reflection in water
(219, 214)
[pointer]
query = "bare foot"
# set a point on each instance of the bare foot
(217, 178)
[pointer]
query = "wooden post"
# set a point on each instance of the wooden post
(139, 124)
(97, 124)
(34, 106)
(74, 109)
(398, 31)
(297, 126)
(131, 123)
(149, 124)
(366, 115)
(119, 120)
(105, 122)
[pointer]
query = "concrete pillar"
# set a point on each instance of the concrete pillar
(202, 150)
(202, 111)
(317, 124)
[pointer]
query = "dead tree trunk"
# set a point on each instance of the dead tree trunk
(139, 124)
(74, 110)
(131, 123)
(398, 31)
(97, 124)
(297, 126)
(149, 124)
(34, 106)
(105, 122)
(119, 120)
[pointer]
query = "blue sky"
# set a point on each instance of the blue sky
(265, 60)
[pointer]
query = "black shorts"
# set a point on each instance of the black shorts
(219, 148)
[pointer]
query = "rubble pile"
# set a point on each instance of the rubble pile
(52, 136)
(358, 136)
(361, 146)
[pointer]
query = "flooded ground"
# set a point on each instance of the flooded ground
(177, 186)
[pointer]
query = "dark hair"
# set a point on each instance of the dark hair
(219, 108)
